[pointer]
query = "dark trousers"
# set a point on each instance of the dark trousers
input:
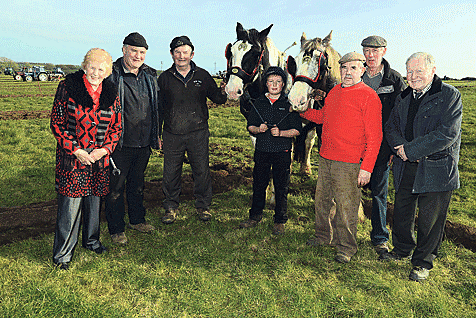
(379, 192)
(132, 162)
(432, 212)
(196, 146)
(277, 163)
(68, 221)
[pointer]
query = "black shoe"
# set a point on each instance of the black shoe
(419, 273)
(392, 256)
(99, 250)
(63, 266)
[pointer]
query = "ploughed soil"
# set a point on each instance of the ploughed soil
(30, 221)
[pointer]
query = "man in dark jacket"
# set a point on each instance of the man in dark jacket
(184, 89)
(138, 93)
(388, 83)
(424, 129)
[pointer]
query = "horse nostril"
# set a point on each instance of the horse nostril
(239, 92)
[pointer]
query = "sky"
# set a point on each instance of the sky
(61, 32)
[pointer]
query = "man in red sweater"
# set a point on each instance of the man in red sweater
(351, 137)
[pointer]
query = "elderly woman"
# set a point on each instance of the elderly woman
(86, 122)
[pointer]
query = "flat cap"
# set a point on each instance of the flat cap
(374, 41)
(352, 56)
(135, 39)
(179, 41)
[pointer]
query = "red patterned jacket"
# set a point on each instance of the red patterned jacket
(76, 125)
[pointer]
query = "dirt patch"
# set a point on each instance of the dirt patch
(24, 114)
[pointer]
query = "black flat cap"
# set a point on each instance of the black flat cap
(135, 39)
(179, 41)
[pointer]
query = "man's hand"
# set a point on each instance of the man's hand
(401, 152)
(319, 94)
(364, 178)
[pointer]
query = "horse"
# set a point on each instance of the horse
(314, 70)
(247, 60)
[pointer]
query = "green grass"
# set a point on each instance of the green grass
(195, 269)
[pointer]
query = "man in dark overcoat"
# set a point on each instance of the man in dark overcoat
(424, 130)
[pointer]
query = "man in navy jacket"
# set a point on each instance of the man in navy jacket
(424, 129)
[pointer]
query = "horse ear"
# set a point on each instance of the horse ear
(240, 32)
(303, 39)
(327, 39)
(263, 34)
(291, 66)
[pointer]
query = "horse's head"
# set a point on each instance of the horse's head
(312, 69)
(244, 58)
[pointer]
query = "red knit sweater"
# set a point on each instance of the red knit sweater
(352, 125)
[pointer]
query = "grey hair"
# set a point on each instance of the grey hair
(427, 57)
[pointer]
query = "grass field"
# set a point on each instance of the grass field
(192, 269)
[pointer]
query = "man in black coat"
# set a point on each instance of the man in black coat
(138, 93)
(388, 84)
(184, 89)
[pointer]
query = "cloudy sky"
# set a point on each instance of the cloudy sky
(61, 32)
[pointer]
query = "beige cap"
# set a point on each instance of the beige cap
(352, 56)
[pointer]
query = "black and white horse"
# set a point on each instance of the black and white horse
(247, 60)
(314, 70)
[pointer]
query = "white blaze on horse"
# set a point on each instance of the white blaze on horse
(315, 70)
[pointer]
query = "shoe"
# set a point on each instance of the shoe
(99, 250)
(248, 223)
(392, 256)
(381, 248)
(204, 214)
(170, 216)
(342, 258)
(119, 238)
(142, 227)
(64, 266)
(278, 229)
(419, 273)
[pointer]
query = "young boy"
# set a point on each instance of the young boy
(274, 128)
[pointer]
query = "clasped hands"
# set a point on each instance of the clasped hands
(264, 127)
(88, 159)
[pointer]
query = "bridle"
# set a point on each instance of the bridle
(238, 71)
(321, 70)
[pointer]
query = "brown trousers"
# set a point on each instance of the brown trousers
(337, 204)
